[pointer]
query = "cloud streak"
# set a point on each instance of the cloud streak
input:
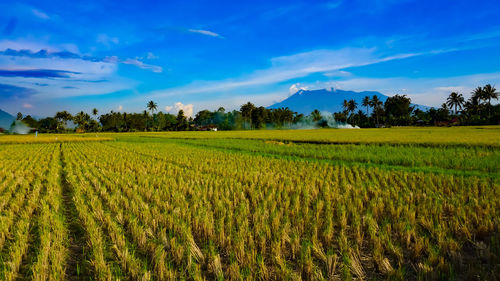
(37, 73)
(142, 65)
(45, 54)
(285, 68)
(8, 92)
(205, 32)
(39, 14)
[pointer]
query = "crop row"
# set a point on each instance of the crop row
(454, 158)
(255, 217)
(424, 136)
(49, 138)
(32, 232)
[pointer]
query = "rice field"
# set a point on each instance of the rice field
(398, 204)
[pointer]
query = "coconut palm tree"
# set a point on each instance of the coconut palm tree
(351, 107)
(345, 106)
(82, 119)
(455, 100)
(152, 106)
(477, 94)
(316, 115)
(94, 112)
(366, 102)
(376, 103)
(489, 92)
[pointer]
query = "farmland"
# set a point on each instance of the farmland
(374, 204)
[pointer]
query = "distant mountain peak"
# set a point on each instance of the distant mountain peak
(330, 100)
(5, 119)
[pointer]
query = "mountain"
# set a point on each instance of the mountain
(305, 101)
(5, 119)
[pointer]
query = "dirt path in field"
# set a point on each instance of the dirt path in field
(77, 267)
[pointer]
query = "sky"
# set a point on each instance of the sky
(194, 55)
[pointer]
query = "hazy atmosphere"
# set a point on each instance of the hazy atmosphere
(194, 55)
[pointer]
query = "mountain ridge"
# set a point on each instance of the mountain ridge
(5, 119)
(330, 100)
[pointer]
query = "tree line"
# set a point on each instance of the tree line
(372, 112)
(399, 111)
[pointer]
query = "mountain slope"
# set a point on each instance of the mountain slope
(305, 101)
(5, 119)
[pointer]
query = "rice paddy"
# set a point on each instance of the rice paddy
(376, 204)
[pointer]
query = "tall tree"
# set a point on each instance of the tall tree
(489, 92)
(145, 116)
(152, 106)
(345, 106)
(398, 110)
(94, 112)
(477, 94)
(351, 107)
(455, 100)
(82, 119)
(62, 118)
(366, 102)
(376, 103)
(181, 121)
(316, 115)
(19, 116)
(246, 112)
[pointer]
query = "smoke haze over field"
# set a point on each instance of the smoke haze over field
(19, 128)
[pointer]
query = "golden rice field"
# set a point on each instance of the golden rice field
(397, 204)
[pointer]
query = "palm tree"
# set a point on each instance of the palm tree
(477, 94)
(366, 102)
(345, 106)
(455, 100)
(316, 115)
(94, 112)
(376, 103)
(489, 92)
(82, 120)
(351, 107)
(152, 106)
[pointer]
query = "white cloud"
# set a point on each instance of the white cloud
(142, 65)
(107, 40)
(285, 68)
(337, 73)
(86, 77)
(187, 108)
(120, 108)
(295, 88)
(151, 56)
(27, 105)
(40, 14)
(205, 32)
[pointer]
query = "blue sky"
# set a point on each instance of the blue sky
(118, 55)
